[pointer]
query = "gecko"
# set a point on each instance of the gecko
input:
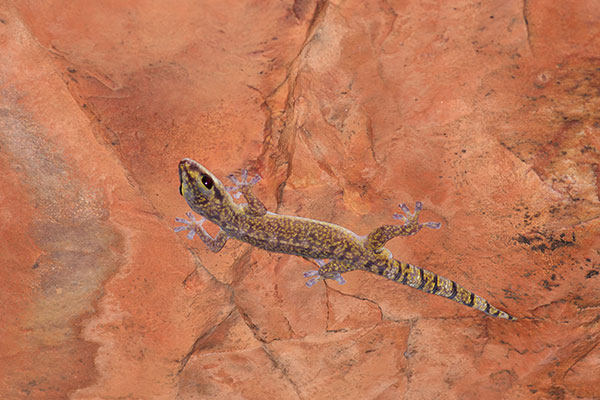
(335, 249)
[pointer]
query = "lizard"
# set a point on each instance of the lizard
(335, 249)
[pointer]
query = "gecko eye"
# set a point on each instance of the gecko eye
(207, 182)
(180, 188)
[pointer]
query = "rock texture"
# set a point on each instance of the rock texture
(488, 112)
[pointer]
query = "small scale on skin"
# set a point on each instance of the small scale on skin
(318, 240)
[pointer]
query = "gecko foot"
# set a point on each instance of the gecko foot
(412, 219)
(316, 276)
(243, 183)
(312, 281)
(339, 279)
(190, 225)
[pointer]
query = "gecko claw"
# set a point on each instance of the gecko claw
(400, 217)
(311, 282)
(319, 262)
(339, 279)
(233, 179)
(234, 188)
(404, 208)
(255, 180)
(315, 277)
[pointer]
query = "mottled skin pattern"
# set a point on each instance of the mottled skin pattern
(344, 250)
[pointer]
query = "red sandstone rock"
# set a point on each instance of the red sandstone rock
(487, 112)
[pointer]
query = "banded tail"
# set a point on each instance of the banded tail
(430, 282)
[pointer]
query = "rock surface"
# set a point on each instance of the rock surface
(488, 112)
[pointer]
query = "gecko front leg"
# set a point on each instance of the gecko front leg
(254, 206)
(195, 227)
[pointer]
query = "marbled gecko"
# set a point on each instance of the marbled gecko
(343, 249)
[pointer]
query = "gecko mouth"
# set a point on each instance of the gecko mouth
(182, 170)
(184, 167)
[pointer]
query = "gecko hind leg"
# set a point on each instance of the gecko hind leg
(411, 226)
(412, 219)
(330, 270)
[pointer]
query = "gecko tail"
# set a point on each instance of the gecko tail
(430, 282)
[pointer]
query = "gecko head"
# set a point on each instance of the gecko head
(204, 193)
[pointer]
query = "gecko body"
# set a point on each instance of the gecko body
(343, 249)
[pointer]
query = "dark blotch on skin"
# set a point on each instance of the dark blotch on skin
(422, 277)
(454, 291)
